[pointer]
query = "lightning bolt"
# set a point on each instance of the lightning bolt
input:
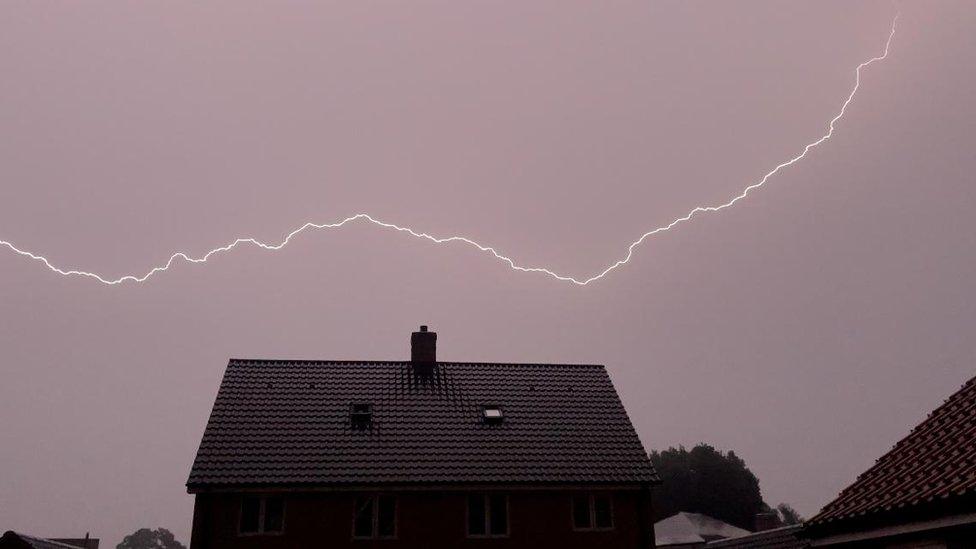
(363, 217)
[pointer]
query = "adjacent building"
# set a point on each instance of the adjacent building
(693, 531)
(17, 540)
(921, 494)
(419, 454)
(784, 537)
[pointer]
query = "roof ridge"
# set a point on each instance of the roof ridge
(406, 362)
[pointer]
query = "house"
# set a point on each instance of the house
(16, 540)
(784, 537)
(419, 454)
(692, 531)
(921, 494)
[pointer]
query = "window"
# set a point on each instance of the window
(361, 415)
(251, 515)
(262, 515)
(582, 518)
(602, 512)
(592, 512)
(375, 517)
(492, 414)
(487, 516)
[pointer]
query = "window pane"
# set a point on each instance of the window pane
(387, 517)
(363, 527)
(603, 512)
(476, 515)
(581, 512)
(274, 512)
(250, 511)
(499, 515)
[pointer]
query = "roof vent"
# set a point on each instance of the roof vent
(492, 415)
(361, 415)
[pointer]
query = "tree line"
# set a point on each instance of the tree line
(714, 483)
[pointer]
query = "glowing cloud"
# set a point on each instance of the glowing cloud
(362, 217)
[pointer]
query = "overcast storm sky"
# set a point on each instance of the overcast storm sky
(808, 328)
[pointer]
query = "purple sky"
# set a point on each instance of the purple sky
(808, 328)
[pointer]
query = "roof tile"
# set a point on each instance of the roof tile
(935, 462)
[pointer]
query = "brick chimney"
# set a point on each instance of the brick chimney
(423, 347)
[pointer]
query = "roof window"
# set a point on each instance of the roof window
(361, 415)
(492, 414)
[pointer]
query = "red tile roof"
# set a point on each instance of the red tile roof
(934, 466)
(289, 423)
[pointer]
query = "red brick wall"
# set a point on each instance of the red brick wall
(425, 520)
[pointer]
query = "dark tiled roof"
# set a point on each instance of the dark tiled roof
(288, 423)
(17, 540)
(934, 466)
(786, 537)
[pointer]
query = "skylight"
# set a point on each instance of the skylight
(492, 414)
(361, 415)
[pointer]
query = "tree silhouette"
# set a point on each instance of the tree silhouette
(144, 538)
(704, 480)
